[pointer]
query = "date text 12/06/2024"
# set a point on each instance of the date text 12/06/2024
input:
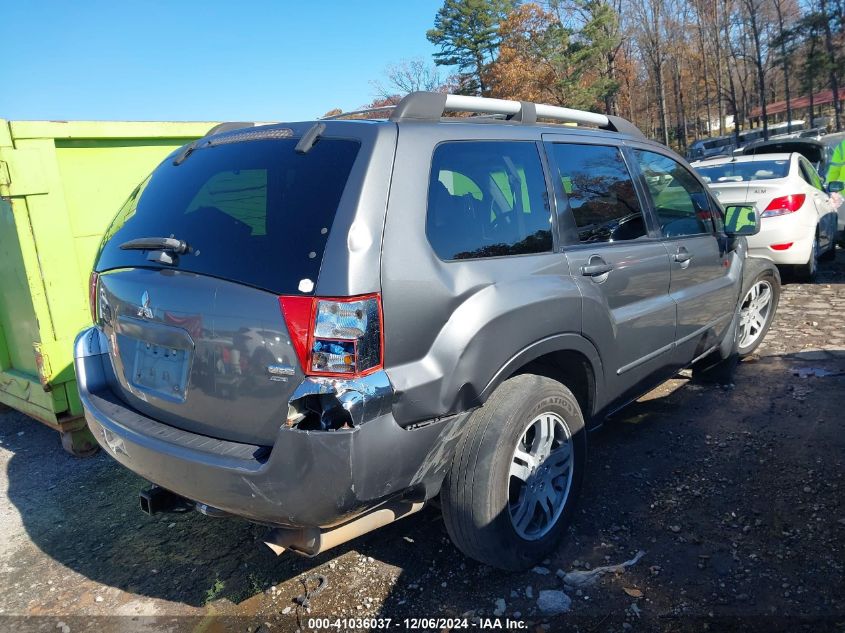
(416, 623)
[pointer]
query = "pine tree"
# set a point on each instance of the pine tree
(467, 33)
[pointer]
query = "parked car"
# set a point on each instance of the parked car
(711, 147)
(734, 143)
(322, 326)
(798, 217)
(826, 154)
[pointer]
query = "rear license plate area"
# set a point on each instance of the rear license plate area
(161, 370)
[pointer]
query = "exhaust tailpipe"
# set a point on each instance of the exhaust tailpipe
(313, 541)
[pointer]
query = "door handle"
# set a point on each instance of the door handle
(682, 256)
(596, 267)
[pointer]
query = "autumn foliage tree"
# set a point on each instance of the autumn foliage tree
(540, 59)
(523, 69)
(679, 69)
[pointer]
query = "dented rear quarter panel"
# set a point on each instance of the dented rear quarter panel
(452, 327)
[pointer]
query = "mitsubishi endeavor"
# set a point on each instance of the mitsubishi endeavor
(323, 326)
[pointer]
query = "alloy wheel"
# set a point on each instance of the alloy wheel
(754, 313)
(540, 476)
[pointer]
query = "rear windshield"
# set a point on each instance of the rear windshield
(256, 213)
(745, 171)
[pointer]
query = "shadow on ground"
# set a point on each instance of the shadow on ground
(711, 482)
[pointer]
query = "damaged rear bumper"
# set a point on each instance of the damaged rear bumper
(308, 478)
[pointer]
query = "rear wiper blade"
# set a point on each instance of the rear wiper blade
(170, 244)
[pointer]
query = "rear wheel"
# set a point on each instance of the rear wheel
(714, 369)
(516, 474)
(830, 253)
(807, 272)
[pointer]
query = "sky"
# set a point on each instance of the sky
(202, 61)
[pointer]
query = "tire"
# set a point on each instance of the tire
(484, 498)
(830, 253)
(807, 272)
(716, 367)
(760, 295)
(715, 370)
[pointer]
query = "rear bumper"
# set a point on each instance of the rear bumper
(307, 479)
(783, 230)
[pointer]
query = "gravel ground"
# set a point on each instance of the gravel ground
(735, 496)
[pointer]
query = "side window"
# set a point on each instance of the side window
(600, 192)
(809, 174)
(680, 201)
(487, 199)
(802, 171)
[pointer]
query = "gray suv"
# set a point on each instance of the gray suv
(323, 326)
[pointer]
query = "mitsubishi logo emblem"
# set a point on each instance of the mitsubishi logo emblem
(145, 310)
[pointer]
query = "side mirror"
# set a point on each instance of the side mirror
(835, 186)
(742, 220)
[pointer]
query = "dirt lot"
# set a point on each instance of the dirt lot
(734, 494)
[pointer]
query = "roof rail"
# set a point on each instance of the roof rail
(430, 106)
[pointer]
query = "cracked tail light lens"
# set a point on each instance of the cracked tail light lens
(336, 336)
(784, 204)
(92, 295)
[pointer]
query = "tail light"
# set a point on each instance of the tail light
(784, 204)
(781, 247)
(336, 336)
(92, 295)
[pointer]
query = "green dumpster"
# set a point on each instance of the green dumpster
(61, 182)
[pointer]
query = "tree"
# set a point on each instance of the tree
(814, 59)
(833, 74)
(467, 34)
(716, 37)
(542, 60)
(603, 35)
(753, 16)
(651, 18)
(409, 76)
(598, 25)
(784, 41)
(700, 8)
(668, 65)
(524, 68)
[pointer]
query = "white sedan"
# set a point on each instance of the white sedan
(798, 218)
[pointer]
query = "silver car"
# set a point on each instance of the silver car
(322, 326)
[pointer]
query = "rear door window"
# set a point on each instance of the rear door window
(253, 212)
(600, 193)
(810, 175)
(487, 199)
